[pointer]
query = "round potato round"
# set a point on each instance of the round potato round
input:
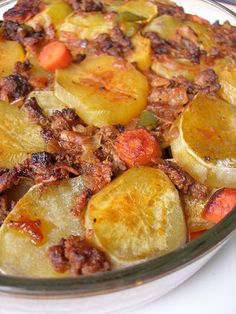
(205, 147)
(103, 90)
(137, 216)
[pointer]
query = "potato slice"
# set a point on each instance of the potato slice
(194, 209)
(103, 90)
(139, 8)
(137, 216)
(48, 101)
(86, 26)
(19, 137)
(141, 53)
(205, 147)
(51, 205)
(204, 34)
(54, 13)
(226, 71)
(10, 52)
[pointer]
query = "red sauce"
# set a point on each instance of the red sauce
(29, 227)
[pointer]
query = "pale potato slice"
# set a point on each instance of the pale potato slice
(205, 147)
(85, 25)
(194, 209)
(140, 8)
(52, 205)
(48, 101)
(10, 52)
(54, 13)
(19, 137)
(103, 90)
(137, 216)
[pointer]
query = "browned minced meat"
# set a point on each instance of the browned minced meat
(35, 112)
(3, 209)
(24, 34)
(78, 256)
(207, 81)
(23, 68)
(188, 50)
(81, 202)
(8, 179)
(85, 5)
(107, 151)
(225, 37)
(116, 44)
(23, 11)
(63, 120)
(168, 9)
(159, 46)
(182, 180)
(14, 87)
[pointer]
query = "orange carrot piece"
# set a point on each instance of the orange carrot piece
(195, 235)
(137, 148)
(55, 56)
(220, 204)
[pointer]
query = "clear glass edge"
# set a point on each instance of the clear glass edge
(117, 280)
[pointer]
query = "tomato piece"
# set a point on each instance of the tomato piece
(195, 235)
(220, 204)
(137, 147)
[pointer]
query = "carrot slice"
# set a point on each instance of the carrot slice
(220, 204)
(195, 235)
(55, 56)
(137, 148)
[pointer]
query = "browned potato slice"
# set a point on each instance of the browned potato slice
(103, 90)
(137, 216)
(52, 205)
(141, 53)
(205, 147)
(10, 52)
(19, 137)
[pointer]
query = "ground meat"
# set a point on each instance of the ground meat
(35, 112)
(63, 120)
(159, 46)
(78, 256)
(43, 159)
(116, 44)
(207, 81)
(86, 5)
(174, 10)
(24, 34)
(107, 151)
(81, 202)
(3, 209)
(182, 180)
(14, 87)
(8, 179)
(23, 68)
(23, 11)
(189, 50)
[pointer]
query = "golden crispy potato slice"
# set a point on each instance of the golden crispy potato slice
(205, 147)
(19, 137)
(54, 13)
(226, 70)
(137, 216)
(141, 53)
(103, 90)
(21, 252)
(10, 52)
(86, 25)
(48, 101)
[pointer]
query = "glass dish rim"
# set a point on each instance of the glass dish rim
(131, 276)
